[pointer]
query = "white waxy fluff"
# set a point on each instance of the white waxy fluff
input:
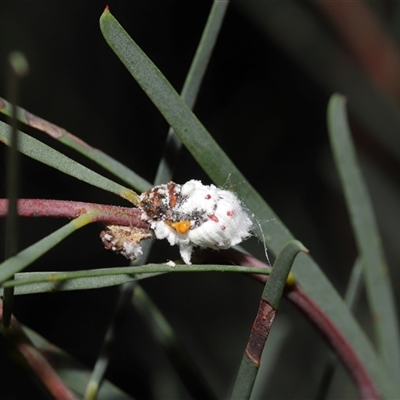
(194, 214)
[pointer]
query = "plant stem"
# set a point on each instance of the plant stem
(320, 320)
(18, 69)
(25, 353)
(67, 138)
(128, 216)
(336, 340)
(262, 324)
(164, 335)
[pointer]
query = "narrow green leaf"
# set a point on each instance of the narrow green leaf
(25, 257)
(219, 167)
(107, 348)
(277, 280)
(262, 324)
(353, 291)
(164, 335)
(18, 68)
(39, 151)
(164, 174)
(71, 371)
(111, 165)
(204, 50)
(179, 116)
(191, 86)
(245, 379)
(379, 289)
(40, 282)
(67, 138)
(354, 285)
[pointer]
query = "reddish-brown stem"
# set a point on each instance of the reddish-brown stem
(367, 40)
(336, 340)
(28, 355)
(313, 313)
(131, 217)
(107, 214)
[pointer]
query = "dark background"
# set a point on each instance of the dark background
(264, 104)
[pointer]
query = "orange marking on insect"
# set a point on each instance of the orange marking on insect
(181, 226)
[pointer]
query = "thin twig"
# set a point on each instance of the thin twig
(108, 214)
(321, 321)
(29, 356)
(367, 40)
(18, 69)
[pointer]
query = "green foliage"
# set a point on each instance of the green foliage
(45, 154)
(365, 228)
(381, 364)
(217, 165)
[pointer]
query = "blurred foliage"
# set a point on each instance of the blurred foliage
(272, 73)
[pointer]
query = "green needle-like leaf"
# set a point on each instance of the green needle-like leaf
(39, 151)
(277, 280)
(218, 166)
(190, 130)
(41, 282)
(202, 57)
(379, 290)
(262, 325)
(164, 335)
(18, 68)
(164, 174)
(71, 371)
(191, 86)
(25, 257)
(67, 138)
(354, 285)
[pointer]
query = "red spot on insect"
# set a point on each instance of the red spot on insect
(223, 227)
(208, 197)
(229, 213)
(213, 218)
